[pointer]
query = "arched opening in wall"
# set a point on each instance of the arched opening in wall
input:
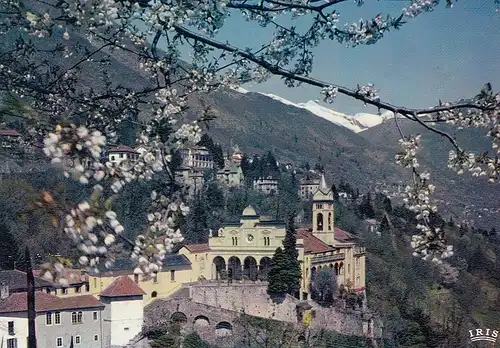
(265, 264)
(319, 222)
(250, 268)
(223, 329)
(341, 268)
(313, 272)
(336, 269)
(234, 268)
(154, 294)
(178, 318)
(329, 221)
(201, 320)
(220, 267)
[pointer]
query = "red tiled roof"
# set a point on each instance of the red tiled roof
(122, 148)
(197, 248)
(312, 244)
(17, 302)
(9, 132)
(123, 286)
(342, 236)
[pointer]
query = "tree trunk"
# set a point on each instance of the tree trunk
(31, 301)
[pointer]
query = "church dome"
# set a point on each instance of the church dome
(249, 211)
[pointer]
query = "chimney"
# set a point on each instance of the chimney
(4, 291)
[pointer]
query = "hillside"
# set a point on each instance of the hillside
(260, 123)
(473, 197)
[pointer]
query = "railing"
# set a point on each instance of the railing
(328, 258)
(359, 250)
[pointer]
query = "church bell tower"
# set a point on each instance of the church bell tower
(323, 213)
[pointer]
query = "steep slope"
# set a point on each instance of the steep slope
(472, 196)
(357, 123)
(259, 124)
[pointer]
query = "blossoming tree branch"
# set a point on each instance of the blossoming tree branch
(54, 71)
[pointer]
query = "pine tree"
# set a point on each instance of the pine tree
(284, 272)
(275, 276)
(292, 266)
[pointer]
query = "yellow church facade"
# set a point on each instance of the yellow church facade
(244, 250)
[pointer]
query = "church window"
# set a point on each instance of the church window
(329, 221)
(319, 222)
(267, 241)
(235, 241)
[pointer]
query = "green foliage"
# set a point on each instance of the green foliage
(284, 273)
(324, 286)
(276, 275)
(193, 340)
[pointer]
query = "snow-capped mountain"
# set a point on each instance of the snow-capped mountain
(357, 123)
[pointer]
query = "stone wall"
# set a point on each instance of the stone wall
(248, 298)
(252, 299)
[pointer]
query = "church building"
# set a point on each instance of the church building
(243, 250)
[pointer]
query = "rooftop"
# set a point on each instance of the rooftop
(9, 132)
(17, 302)
(122, 287)
(122, 148)
(16, 280)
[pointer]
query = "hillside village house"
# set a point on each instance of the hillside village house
(266, 185)
(121, 153)
(246, 248)
(308, 187)
(108, 320)
(8, 137)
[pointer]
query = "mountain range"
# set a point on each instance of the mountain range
(358, 149)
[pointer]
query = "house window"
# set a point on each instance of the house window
(235, 241)
(95, 282)
(87, 287)
(95, 316)
(59, 342)
(12, 343)
(11, 328)
(78, 340)
(48, 318)
(96, 337)
(78, 289)
(57, 318)
(172, 275)
(136, 278)
(77, 317)
(64, 291)
(155, 277)
(47, 291)
(112, 158)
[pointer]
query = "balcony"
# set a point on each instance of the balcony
(359, 250)
(328, 258)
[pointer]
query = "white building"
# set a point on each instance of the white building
(266, 185)
(124, 311)
(308, 187)
(122, 153)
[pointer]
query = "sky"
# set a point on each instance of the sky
(446, 54)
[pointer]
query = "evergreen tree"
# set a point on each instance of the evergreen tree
(292, 266)
(366, 207)
(335, 193)
(384, 225)
(284, 273)
(276, 277)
